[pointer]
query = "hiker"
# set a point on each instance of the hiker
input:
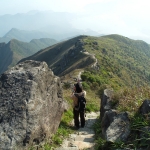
(77, 93)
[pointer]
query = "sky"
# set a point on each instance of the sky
(125, 17)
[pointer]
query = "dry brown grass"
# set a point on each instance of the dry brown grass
(130, 99)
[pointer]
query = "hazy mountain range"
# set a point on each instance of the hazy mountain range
(39, 24)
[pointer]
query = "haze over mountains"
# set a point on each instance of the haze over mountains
(39, 24)
(23, 35)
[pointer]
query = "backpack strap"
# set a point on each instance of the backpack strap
(76, 95)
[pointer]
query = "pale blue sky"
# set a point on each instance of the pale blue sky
(126, 17)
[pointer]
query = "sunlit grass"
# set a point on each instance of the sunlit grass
(131, 99)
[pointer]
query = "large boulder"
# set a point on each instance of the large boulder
(119, 129)
(115, 126)
(31, 105)
(107, 120)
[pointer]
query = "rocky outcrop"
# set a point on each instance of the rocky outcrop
(31, 105)
(118, 127)
(115, 126)
(106, 102)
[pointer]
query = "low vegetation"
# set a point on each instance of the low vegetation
(128, 100)
(125, 98)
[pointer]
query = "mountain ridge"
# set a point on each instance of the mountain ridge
(66, 55)
(118, 58)
(15, 50)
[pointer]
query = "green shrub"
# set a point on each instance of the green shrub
(85, 86)
(91, 79)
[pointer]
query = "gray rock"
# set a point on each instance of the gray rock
(31, 105)
(106, 102)
(119, 129)
(145, 108)
(65, 105)
(107, 120)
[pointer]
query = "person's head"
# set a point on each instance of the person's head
(78, 88)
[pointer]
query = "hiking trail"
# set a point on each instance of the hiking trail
(83, 138)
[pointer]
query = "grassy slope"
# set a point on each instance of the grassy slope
(123, 66)
(122, 61)
(23, 49)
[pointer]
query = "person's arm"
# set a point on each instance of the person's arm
(84, 93)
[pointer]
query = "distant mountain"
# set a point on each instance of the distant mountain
(120, 61)
(35, 20)
(4, 39)
(39, 24)
(25, 36)
(15, 50)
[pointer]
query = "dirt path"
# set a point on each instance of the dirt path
(83, 138)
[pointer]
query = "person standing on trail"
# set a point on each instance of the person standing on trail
(77, 93)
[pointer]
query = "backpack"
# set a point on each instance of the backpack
(81, 103)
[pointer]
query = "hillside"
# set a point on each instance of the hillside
(64, 57)
(120, 61)
(15, 50)
(111, 61)
(121, 65)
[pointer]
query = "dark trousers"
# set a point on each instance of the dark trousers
(76, 114)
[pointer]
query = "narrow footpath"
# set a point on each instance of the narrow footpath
(83, 138)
